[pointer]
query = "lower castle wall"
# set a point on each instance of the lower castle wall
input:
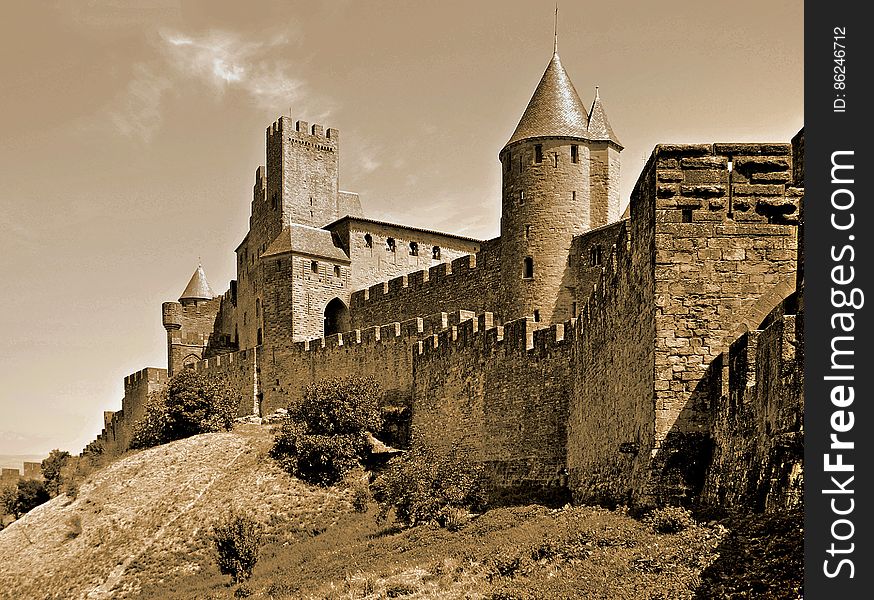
(381, 352)
(499, 396)
(241, 371)
(757, 434)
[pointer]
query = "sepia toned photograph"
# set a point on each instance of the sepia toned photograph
(382, 299)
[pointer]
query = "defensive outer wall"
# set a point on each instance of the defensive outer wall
(679, 381)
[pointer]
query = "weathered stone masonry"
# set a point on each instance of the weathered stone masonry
(637, 360)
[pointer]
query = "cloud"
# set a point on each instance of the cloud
(138, 112)
(224, 61)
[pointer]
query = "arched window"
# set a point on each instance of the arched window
(368, 240)
(414, 248)
(314, 265)
(390, 244)
(538, 153)
(336, 271)
(528, 268)
(435, 252)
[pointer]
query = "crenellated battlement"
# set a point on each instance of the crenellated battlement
(301, 132)
(726, 182)
(143, 376)
(520, 336)
(424, 280)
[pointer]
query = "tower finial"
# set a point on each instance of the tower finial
(597, 95)
(555, 31)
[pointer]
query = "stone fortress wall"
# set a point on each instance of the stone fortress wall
(637, 359)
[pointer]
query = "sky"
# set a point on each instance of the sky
(130, 133)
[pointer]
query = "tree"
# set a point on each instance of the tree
(27, 495)
(326, 435)
(51, 470)
(9, 500)
(192, 403)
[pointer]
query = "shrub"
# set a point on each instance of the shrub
(237, 539)
(670, 519)
(191, 404)
(51, 470)
(326, 434)
(24, 497)
(421, 486)
(151, 429)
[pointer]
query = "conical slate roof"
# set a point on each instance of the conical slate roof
(198, 287)
(555, 109)
(599, 126)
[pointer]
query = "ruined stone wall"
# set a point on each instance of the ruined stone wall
(498, 396)
(757, 433)
(468, 283)
(383, 352)
(725, 254)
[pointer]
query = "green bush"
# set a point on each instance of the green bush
(670, 519)
(326, 434)
(192, 403)
(421, 486)
(237, 540)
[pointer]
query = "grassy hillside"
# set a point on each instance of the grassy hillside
(137, 530)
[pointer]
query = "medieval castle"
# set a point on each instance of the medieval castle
(648, 357)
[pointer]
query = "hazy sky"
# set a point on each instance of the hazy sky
(129, 138)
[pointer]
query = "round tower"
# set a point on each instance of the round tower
(552, 191)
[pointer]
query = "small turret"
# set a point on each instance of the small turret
(197, 288)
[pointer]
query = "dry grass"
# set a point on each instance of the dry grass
(141, 528)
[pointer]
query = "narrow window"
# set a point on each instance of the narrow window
(336, 271)
(574, 310)
(575, 153)
(414, 248)
(536, 316)
(538, 153)
(528, 268)
(521, 197)
(314, 265)
(687, 215)
(368, 240)
(279, 265)
(245, 317)
(435, 252)
(390, 244)
(257, 307)
(260, 336)
(574, 196)
(555, 159)
(527, 231)
(595, 256)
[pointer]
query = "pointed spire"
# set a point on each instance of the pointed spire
(599, 126)
(555, 32)
(198, 287)
(555, 109)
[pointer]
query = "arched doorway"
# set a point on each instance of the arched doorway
(337, 318)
